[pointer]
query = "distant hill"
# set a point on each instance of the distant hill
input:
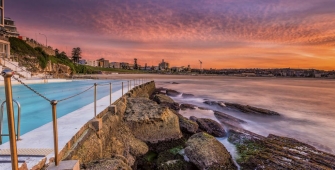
(37, 60)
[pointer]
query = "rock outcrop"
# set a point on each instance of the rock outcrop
(275, 152)
(210, 126)
(161, 98)
(186, 95)
(172, 93)
(166, 101)
(243, 108)
(206, 152)
(228, 120)
(150, 122)
(251, 109)
(187, 106)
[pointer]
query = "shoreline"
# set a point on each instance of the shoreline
(176, 76)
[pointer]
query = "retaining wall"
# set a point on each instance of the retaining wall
(106, 136)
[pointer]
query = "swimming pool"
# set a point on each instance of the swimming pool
(36, 111)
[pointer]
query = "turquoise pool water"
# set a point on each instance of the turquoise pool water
(36, 111)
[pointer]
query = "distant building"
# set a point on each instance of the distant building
(106, 64)
(163, 65)
(4, 43)
(10, 28)
(2, 13)
(114, 65)
(92, 63)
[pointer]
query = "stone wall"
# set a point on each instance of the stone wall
(107, 136)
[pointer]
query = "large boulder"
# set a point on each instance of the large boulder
(150, 122)
(187, 125)
(212, 127)
(206, 152)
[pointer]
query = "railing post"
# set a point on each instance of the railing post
(55, 129)
(95, 99)
(7, 74)
(110, 93)
(122, 88)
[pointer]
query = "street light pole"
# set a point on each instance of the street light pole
(46, 39)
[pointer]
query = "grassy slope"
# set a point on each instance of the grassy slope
(21, 48)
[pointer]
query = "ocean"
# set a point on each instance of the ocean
(307, 106)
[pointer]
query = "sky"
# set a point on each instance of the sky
(220, 33)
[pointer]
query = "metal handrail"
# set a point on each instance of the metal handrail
(18, 120)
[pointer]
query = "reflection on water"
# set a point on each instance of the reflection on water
(307, 106)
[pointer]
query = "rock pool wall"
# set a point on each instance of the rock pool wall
(107, 136)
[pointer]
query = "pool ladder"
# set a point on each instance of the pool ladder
(18, 120)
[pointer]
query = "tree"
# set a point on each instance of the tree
(76, 54)
(56, 52)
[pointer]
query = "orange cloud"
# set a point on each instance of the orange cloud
(222, 33)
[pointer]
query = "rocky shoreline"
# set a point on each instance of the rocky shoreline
(159, 137)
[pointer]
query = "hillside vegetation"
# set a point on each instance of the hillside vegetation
(36, 59)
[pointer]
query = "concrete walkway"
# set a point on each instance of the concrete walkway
(37, 144)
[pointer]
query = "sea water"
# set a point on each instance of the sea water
(307, 106)
(36, 111)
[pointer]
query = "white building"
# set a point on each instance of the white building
(4, 43)
(10, 28)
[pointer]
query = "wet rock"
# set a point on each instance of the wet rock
(193, 118)
(212, 127)
(187, 106)
(185, 95)
(239, 136)
(150, 122)
(251, 109)
(211, 103)
(161, 98)
(172, 93)
(159, 90)
(169, 159)
(203, 108)
(227, 119)
(107, 164)
(166, 101)
(186, 125)
(275, 152)
(206, 152)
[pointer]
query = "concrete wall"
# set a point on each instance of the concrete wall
(111, 139)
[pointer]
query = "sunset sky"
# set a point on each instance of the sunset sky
(221, 33)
